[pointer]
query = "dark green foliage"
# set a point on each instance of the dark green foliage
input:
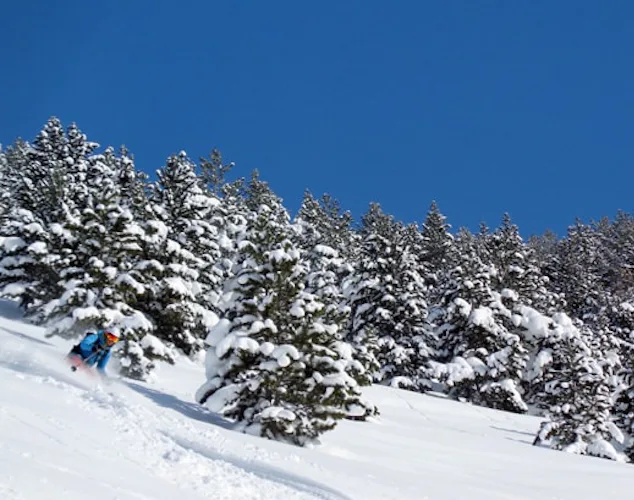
(389, 327)
(486, 358)
(578, 401)
(214, 171)
(436, 245)
(282, 360)
(186, 281)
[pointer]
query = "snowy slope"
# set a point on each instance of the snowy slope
(64, 436)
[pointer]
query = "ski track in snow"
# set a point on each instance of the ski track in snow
(170, 448)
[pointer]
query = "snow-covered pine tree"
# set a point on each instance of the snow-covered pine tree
(436, 245)
(545, 250)
(133, 184)
(623, 409)
(577, 397)
(323, 262)
(142, 348)
(140, 352)
(583, 276)
(619, 243)
(55, 172)
(28, 267)
(48, 188)
(177, 301)
(232, 215)
(411, 317)
(102, 286)
(78, 160)
(314, 228)
(14, 166)
(466, 284)
(388, 324)
(516, 265)
(544, 247)
(609, 310)
(39, 171)
(258, 192)
(5, 189)
(242, 199)
(228, 218)
(311, 223)
(485, 361)
(324, 220)
(322, 232)
(578, 272)
(365, 290)
(214, 171)
(275, 363)
(518, 280)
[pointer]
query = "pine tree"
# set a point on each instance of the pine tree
(515, 264)
(320, 233)
(618, 243)
(412, 329)
(366, 290)
(323, 263)
(544, 247)
(133, 184)
(323, 221)
(214, 172)
(227, 218)
(436, 244)
(232, 217)
(275, 364)
(623, 409)
(103, 285)
(387, 297)
(258, 193)
(465, 286)
(315, 227)
(485, 359)
(5, 186)
(578, 273)
(141, 350)
(29, 265)
(180, 301)
(55, 172)
(577, 397)
(48, 186)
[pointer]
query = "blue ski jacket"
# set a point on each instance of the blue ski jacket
(95, 351)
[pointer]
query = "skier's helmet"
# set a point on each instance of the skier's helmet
(112, 335)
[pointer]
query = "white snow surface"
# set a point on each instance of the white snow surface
(65, 435)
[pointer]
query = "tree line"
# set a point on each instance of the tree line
(296, 314)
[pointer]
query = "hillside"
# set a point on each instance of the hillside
(65, 436)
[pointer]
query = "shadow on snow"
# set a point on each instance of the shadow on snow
(189, 410)
(264, 471)
(24, 336)
(198, 412)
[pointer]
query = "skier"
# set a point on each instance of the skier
(95, 349)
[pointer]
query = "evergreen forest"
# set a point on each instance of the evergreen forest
(293, 315)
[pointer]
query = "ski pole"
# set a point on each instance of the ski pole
(84, 361)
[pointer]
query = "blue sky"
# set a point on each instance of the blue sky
(486, 107)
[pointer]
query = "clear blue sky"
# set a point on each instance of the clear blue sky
(486, 107)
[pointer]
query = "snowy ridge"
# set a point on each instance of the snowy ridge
(64, 436)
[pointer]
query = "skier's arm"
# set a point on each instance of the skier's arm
(89, 343)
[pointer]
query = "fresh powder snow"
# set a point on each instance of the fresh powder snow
(66, 435)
